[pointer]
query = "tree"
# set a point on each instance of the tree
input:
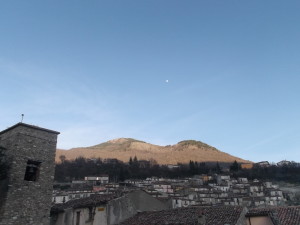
(135, 165)
(192, 166)
(62, 158)
(152, 162)
(235, 166)
(218, 168)
(121, 174)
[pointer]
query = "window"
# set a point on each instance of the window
(32, 170)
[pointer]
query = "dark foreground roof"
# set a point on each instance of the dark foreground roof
(188, 216)
(93, 200)
(279, 215)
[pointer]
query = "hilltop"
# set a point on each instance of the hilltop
(124, 148)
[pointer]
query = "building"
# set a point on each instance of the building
(26, 192)
(263, 164)
(104, 209)
(284, 163)
(101, 179)
(81, 211)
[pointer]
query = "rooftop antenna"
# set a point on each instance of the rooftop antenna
(22, 117)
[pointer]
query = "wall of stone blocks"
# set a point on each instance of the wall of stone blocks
(28, 202)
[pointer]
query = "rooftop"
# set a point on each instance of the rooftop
(280, 215)
(93, 200)
(188, 216)
(29, 126)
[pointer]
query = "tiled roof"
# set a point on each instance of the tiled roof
(188, 216)
(93, 200)
(280, 215)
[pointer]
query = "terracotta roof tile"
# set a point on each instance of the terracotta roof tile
(280, 215)
(93, 200)
(188, 216)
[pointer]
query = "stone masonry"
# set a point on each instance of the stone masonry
(27, 191)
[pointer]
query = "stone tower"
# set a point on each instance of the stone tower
(26, 192)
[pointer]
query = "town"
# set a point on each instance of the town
(29, 194)
(198, 191)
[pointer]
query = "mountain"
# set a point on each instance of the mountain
(124, 148)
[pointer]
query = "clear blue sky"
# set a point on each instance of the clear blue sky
(98, 70)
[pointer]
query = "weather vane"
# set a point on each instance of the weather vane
(22, 117)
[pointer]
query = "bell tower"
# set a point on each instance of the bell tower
(26, 189)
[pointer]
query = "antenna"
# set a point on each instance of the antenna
(22, 117)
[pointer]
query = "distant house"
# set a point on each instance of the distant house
(263, 164)
(206, 178)
(223, 188)
(71, 193)
(242, 180)
(172, 166)
(268, 184)
(60, 198)
(136, 182)
(222, 178)
(99, 188)
(256, 189)
(162, 186)
(178, 202)
(101, 179)
(259, 201)
(283, 163)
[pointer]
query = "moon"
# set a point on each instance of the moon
(167, 81)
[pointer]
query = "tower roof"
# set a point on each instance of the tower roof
(29, 126)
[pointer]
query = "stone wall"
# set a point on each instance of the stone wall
(28, 202)
(4, 170)
(242, 220)
(127, 206)
(120, 209)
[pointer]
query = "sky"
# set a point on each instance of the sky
(226, 73)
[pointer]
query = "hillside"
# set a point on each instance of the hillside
(124, 148)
